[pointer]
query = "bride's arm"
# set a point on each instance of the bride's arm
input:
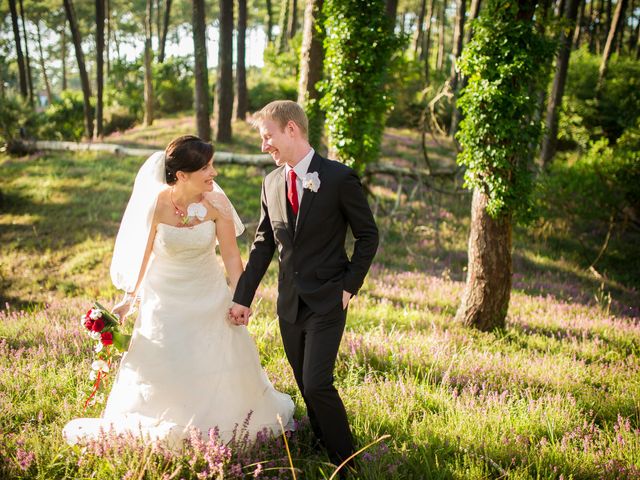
(229, 251)
(124, 307)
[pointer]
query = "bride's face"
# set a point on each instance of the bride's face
(201, 180)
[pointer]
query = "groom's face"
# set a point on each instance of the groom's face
(276, 141)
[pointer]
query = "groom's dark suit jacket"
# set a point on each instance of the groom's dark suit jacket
(313, 262)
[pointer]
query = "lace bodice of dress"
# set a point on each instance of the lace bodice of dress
(185, 243)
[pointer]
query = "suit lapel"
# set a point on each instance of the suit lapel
(281, 196)
(308, 195)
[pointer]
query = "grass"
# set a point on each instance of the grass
(555, 395)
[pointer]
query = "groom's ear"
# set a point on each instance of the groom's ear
(291, 128)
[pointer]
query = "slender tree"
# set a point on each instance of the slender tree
(241, 103)
(26, 54)
(165, 30)
(84, 78)
(502, 61)
(468, 31)
(269, 21)
(22, 73)
(223, 101)
(43, 69)
(577, 31)
(615, 25)
(392, 10)
(63, 55)
(292, 28)
(550, 138)
(100, 17)
(148, 55)
(282, 26)
(419, 28)
(454, 76)
(311, 66)
(203, 121)
(426, 42)
(442, 28)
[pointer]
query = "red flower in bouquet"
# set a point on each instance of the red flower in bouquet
(107, 338)
(104, 327)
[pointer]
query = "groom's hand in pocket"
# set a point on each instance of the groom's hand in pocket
(346, 298)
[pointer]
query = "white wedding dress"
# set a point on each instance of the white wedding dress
(187, 366)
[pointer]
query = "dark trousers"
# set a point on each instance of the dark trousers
(311, 345)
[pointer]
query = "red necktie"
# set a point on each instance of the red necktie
(292, 194)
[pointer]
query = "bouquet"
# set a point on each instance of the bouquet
(103, 326)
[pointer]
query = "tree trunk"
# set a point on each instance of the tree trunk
(100, 14)
(458, 36)
(441, 34)
(426, 43)
(282, 25)
(22, 74)
(63, 54)
(615, 24)
(45, 77)
(577, 32)
(420, 28)
(292, 28)
(84, 78)
(223, 102)
(148, 76)
(550, 138)
(311, 66)
(269, 21)
(634, 41)
(240, 105)
(165, 30)
(26, 56)
(456, 115)
(201, 97)
(485, 300)
(619, 33)
(392, 10)
(633, 27)
(108, 37)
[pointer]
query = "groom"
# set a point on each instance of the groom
(307, 205)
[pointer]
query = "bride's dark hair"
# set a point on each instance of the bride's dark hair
(187, 153)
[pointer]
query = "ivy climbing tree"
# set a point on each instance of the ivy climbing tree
(359, 49)
(503, 64)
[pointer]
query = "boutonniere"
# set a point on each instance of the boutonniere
(311, 181)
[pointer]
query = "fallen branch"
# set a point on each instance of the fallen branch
(220, 157)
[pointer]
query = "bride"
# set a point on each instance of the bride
(187, 365)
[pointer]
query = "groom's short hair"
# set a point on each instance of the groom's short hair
(282, 112)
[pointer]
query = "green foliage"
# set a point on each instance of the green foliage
(64, 118)
(588, 195)
(283, 64)
(118, 119)
(503, 62)
(15, 113)
(585, 117)
(359, 47)
(406, 86)
(173, 85)
(125, 87)
(264, 88)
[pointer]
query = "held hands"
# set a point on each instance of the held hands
(239, 314)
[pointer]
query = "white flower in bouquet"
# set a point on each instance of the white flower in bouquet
(100, 366)
(197, 210)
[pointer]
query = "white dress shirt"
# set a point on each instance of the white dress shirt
(301, 170)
